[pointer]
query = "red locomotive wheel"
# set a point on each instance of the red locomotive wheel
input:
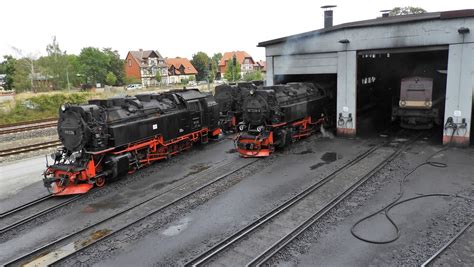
(100, 181)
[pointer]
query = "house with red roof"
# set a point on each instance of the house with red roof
(261, 65)
(245, 60)
(143, 65)
(180, 69)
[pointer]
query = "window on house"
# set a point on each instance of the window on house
(129, 62)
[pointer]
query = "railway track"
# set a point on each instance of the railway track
(27, 126)
(29, 148)
(256, 243)
(25, 213)
(438, 253)
(67, 246)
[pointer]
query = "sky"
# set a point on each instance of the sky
(176, 28)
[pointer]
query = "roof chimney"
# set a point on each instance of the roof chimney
(385, 13)
(328, 12)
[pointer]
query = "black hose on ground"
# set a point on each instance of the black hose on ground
(386, 209)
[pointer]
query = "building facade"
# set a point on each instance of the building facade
(144, 65)
(180, 69)
(247, 64)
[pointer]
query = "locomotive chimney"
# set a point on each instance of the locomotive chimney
(328, 15)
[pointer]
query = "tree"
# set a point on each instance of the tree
(397, 11)
(74, 70)
(21, 77)
(110, 79)
(94, 65)
(253, 76)
(201, 62)
(216, 58)
(8, 67)
(55, 66)
(158, 76)
(232, 72)
(29, 62)
(115, 64)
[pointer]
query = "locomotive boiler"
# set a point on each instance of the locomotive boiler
(274, 116)
(230, 99)
(108, 138)
(419, 106)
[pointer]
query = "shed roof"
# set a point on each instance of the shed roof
(377, 22)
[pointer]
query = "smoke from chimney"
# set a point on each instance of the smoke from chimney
(328, 15)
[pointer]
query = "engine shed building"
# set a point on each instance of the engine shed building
(361, 53)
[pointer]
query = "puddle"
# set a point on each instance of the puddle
(197, 169)
(329, 157)
(176, 229)
(116, 201)
(307, 151)
(161, 185)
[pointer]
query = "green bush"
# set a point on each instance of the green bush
(41, 107)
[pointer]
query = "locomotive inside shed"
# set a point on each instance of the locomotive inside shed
(382, 78)
(328, 81)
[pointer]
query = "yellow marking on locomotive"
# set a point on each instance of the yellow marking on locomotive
(415, 104)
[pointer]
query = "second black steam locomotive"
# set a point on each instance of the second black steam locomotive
(230, 98)
(274, 116)
(107, 138)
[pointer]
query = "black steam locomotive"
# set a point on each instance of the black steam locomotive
(108, 138)
(274, 116)
(230, 99)
(420, 105)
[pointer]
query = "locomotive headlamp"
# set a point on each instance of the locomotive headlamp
(403, 103)
(252, 92)
(428, 104)
(63, 108)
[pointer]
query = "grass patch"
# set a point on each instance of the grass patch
(28, 107)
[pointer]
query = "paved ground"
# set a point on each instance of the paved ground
(284, 175)
(17, 175)
(425, 224)
(115, 197)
